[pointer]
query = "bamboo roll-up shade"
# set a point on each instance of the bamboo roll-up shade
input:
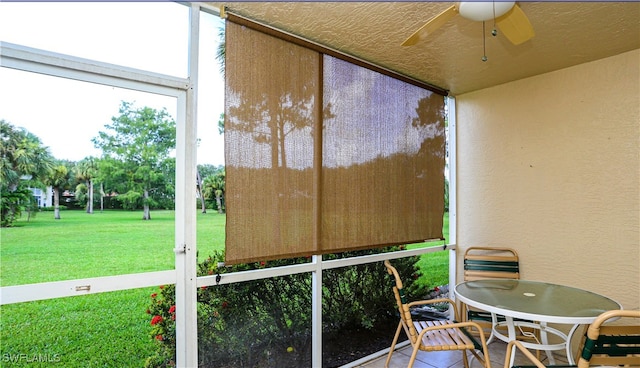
(382, 162)
(270, 112)
(323, 155)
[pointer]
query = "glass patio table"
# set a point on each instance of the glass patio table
(541, 302)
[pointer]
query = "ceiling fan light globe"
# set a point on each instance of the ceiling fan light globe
(484, 10)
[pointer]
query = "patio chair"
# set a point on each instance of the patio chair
(603, 344)
(436, 335)
(481, 263)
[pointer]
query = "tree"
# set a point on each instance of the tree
(220, 56)
(87, 170)
(203, 172)
(24, 163)
(139, 142)
(221, 124)
(207, 170)
(214, 187)
(59, 179)
(108, 181)
(221, 51)
(199, 189)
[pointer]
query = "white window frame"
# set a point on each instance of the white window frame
(70, 67)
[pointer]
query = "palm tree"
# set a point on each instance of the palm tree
(221, 51)
(59, 179)
(214, 187)
(22, 155)
(87, 170)
(24, 163)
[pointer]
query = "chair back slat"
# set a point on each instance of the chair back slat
(482, 275)
(629, 361)
(491, 265)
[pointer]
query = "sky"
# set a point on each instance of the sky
(66, 114)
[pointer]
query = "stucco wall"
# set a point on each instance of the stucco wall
(549, 165)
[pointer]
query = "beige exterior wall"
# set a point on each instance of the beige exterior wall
(549, 165)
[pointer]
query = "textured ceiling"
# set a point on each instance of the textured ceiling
(567, 33)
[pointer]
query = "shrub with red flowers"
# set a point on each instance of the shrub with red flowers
(162, 310)
(267, 322)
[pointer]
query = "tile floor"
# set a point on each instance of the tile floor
(497, 350)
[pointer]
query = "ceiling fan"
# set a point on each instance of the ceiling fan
(508, 16)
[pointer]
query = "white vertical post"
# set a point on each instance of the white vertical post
(186, 136)
(453, 223)
(316, 312)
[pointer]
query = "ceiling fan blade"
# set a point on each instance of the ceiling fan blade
(516, 26)
(432, 25)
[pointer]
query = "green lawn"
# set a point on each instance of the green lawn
(108, 329)
(99, 330)
(435, 266)
(101, 244)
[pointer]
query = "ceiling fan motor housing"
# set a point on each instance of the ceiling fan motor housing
(482, 11)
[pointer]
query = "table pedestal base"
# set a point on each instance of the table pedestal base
(538, 345)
